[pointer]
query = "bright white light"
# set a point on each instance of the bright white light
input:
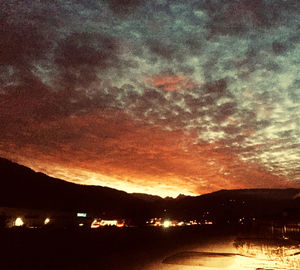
(46, 221)
(19, 222)
(80, 224)
(167, 223)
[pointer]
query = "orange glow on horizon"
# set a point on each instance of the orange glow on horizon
(140, 158)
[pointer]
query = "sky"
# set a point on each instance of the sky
(162, 97)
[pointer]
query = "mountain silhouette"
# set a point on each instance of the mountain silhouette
(24, 188)
(21, 187)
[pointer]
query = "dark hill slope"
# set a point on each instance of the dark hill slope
(233, 204)
(22, 187)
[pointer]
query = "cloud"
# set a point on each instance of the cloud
(21, 44)
(170, 82)
(124, 7)
(141, 87)
(80, 57)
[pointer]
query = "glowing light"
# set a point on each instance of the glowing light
(80, 224)
(19, 222)
(157, 223)
(81, 214)
(95, 224)
(174, 223)
(47, 221)
(108, 222)
(120, 224)
(167, 223)
(69, 174)
(193, 222)
(208, 222)
(154, 222)
(101, 223)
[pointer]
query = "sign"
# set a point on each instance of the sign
(81, 214)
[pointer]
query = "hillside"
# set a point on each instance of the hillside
(231, 205)
(24, 188)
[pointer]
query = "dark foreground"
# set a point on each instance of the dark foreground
(146, 249)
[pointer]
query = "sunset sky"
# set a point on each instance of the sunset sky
(161, 97)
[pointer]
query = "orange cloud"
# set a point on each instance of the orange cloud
(117, 151)
(171, 82)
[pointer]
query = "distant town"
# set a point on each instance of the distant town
(38, 219)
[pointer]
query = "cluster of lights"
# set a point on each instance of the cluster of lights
(166, 223)
(155, 222)
(97, 222)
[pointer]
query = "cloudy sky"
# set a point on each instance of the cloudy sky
(161, 96)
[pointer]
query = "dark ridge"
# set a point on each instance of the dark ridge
(21, 187)
(24, 188)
